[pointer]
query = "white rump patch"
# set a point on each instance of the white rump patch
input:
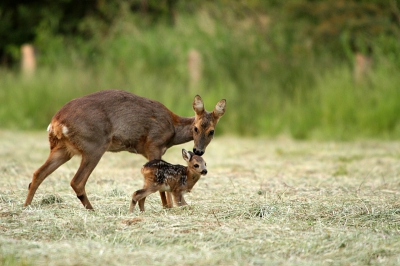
(49, 128)
(64, 130)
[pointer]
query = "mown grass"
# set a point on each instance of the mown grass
(264, 202)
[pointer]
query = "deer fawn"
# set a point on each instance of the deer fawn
(114, 120)
(177, 179)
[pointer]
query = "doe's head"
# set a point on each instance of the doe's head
(205, 123)
(194, 162)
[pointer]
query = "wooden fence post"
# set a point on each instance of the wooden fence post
(28, 60)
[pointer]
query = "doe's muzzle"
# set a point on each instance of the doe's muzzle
(198, 152)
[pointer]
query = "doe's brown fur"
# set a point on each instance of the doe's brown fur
(177, 179)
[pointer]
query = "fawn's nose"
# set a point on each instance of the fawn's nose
(204, 172)
(198, 152)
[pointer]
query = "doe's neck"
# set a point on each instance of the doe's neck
(183, 129)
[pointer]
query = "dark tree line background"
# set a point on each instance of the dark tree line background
(336, 25)
(20, 21)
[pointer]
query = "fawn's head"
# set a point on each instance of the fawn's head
(195, 163)
(204, 124)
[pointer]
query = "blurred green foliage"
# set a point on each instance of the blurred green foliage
(283, 66)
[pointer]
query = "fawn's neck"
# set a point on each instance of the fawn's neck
(192, 177)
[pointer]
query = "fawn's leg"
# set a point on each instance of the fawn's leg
(141, 204)
(155, 152)
(179, 200)
(140, 195)
(170, 202)
(184, 203)
(166, 199)
(163, 199)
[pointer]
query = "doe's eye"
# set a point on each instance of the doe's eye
(196, 130)
(211, 133)
(196, 166)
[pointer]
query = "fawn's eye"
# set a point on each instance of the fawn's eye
(196, 166)
(196, 130)
(211, 133)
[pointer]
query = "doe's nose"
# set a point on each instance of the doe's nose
(204, 172)
(198, 152)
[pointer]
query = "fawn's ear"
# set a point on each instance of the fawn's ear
(187, 155)
(198, 105)
(219, 109)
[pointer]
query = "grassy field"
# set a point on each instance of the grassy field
(264, 202)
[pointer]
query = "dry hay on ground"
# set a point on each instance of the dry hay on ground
(263, 202)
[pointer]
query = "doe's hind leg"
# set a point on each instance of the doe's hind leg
(78, 182)
(57, 157)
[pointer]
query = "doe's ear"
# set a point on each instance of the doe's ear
(198, 105)
(186, 155)
(219, 109)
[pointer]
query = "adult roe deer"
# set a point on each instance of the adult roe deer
(177, 179)
(114, 120)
